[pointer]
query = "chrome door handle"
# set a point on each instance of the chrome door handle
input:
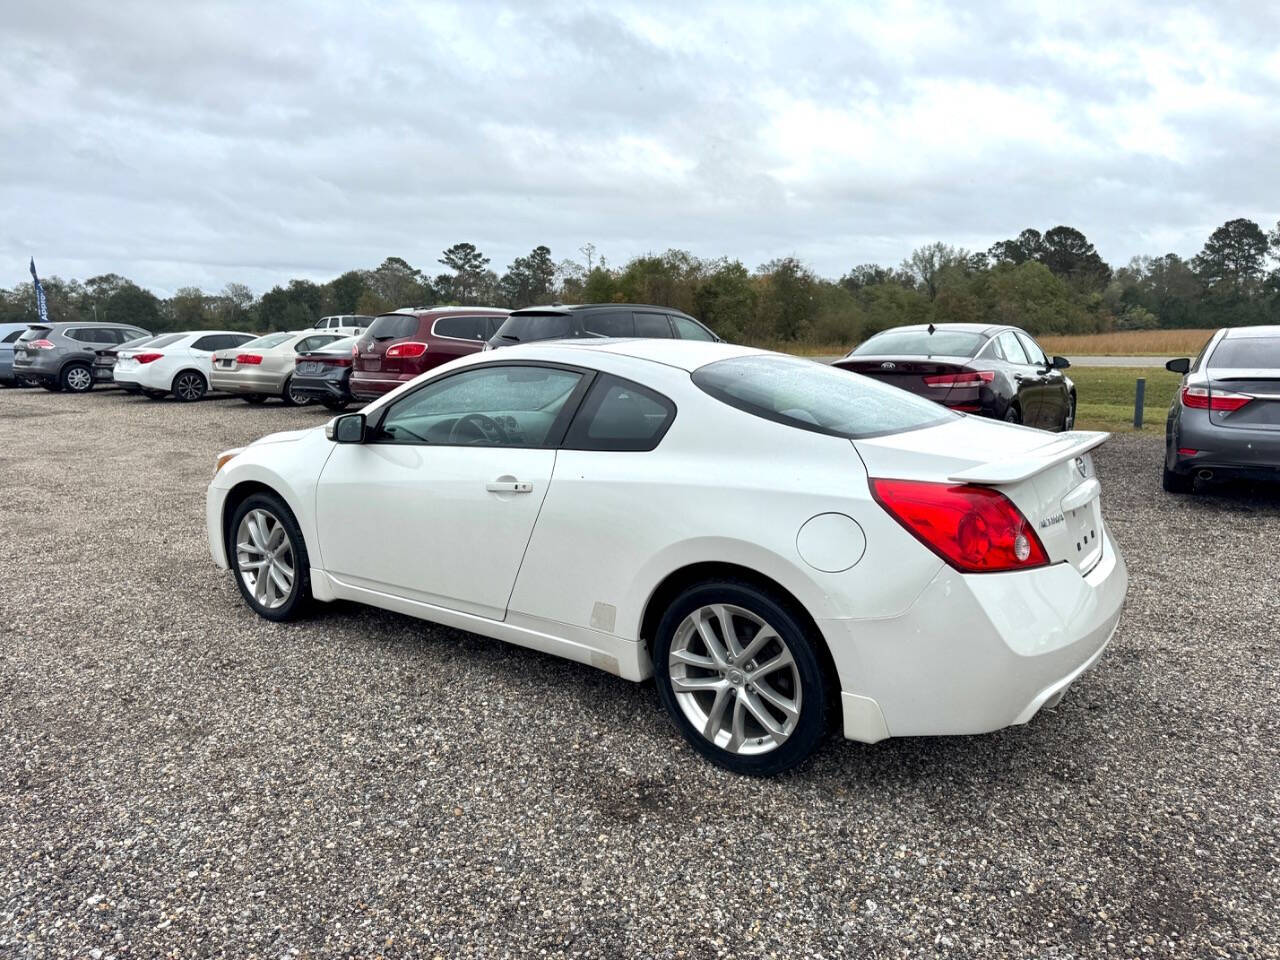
(508, 486)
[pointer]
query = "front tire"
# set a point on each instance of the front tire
(740, 676)
(269, 558)
(1070, 422)
(76, 378)
(1013, 414)
(189, 386)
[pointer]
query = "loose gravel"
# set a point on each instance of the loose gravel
(181, 778)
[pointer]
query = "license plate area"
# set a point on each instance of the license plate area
(372, 364)
(310, 368)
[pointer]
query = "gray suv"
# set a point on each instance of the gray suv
(1225, 419)
(59, 356)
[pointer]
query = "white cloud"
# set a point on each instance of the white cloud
(181, 144)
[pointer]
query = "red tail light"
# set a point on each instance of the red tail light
(970, 378)
(40, 345)
(250, 358)
(1200, 398)
(148, 357)
(407, 350)
(975, 529)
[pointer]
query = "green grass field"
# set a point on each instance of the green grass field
(1104, 397)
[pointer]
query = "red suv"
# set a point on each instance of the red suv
(399, 346)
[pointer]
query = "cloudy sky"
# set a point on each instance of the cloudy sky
(185, 143)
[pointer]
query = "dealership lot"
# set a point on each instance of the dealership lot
(178, 775)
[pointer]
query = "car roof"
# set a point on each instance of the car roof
(1246, 333)
(683, 354)
(568, 308)
(429, 311)
(87, 323)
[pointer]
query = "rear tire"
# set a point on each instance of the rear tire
(76, 378)
(1070, 422)
(1013, 414)
(189, 386)
(291, 399)
(1176, 482)
(727, 697)
(269, 558)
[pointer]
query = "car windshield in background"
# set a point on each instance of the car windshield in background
(536, 326)
(267, 342)
(393, 326)
(813, 396)
(921, 343)
(1254, 353)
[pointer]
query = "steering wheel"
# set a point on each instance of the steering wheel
(487, 428)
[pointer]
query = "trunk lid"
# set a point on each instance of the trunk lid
(1048, 476)
(1263, 385)
(908, 373)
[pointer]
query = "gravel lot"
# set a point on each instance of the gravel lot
(181, 778)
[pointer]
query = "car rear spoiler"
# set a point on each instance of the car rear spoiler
(1065, 446)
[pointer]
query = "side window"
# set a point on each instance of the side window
(614, 323)
(12, 337)
(461, 328)
(1034, 353)
(620, 415)
(209, 344)
(235, 339)
(653, 325)
(1195, 364)
(80, 334)
(992, 350)
(686, 329)
(489, 406)
(1013, 351)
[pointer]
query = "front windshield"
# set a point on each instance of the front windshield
(813, 396)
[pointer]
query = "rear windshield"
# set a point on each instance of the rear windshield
(921, 343)
(140, 342)
(534, 326)
(269, 341)
(167, 339)
(338, 346)
(814, 396)
(34, 333)
(1258, 353)
(393, 326)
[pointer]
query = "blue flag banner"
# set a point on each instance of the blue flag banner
(41, 304)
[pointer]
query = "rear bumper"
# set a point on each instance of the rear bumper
(1228, 451)
(244, 382)
(320, 388)
(975, 653)
(141, 376)
(370, 387)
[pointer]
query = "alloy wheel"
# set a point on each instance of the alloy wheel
(79, 379)
(735, 679)
(264, 558)
(189, 386)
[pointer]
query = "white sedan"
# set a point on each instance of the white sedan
(776, 541)
(177, 363)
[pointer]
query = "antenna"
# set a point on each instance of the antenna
(931, 329)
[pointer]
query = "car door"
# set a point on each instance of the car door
(1055, 397)
(1028, 383)
(438, 504)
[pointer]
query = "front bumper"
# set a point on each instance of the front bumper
(976, 652)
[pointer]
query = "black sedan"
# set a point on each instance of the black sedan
(992, 371)
(325, 374)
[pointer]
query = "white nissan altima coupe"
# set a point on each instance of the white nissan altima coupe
(780, 544)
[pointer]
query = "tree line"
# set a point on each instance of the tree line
(1051, 282)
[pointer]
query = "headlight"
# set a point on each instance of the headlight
(224, 458)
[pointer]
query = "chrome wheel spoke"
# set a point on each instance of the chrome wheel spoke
(764, 717)
(758, 643)
(698, 684)
(775, 699)
(716, 714)
(283, 584)
(692, 660)
(738, 728)
(712, 642)
(725, 620)
(784, 659)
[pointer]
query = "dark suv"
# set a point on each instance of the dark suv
(399, 346)
(598, 320)
(60, 356)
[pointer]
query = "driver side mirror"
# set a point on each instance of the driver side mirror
(1180, 365)
(349, 428)
(1059, 363)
